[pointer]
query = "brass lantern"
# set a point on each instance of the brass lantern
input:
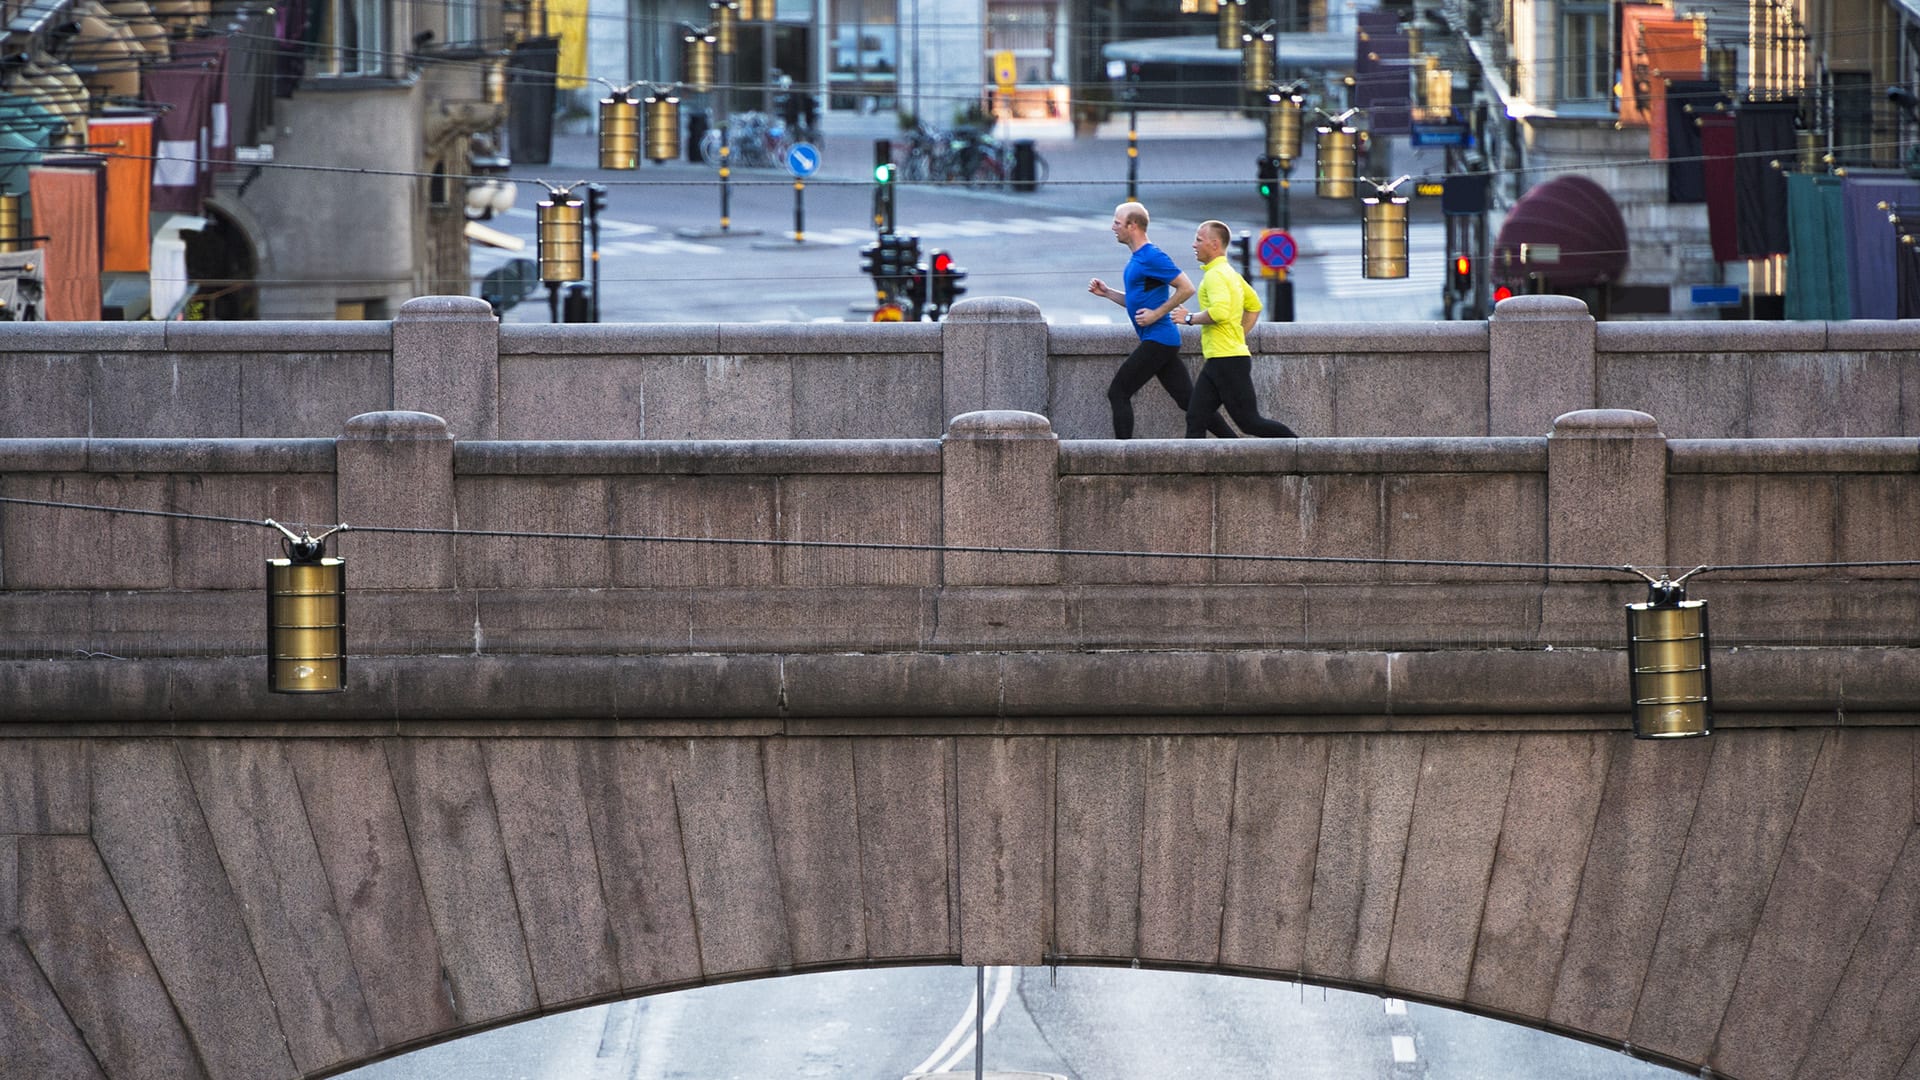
(1283, 125)
(306, 619)
(494, 81)
(1667, 648)
(13, 225)
(724, 14)
(1333, 166)
(1232, 13)
(620, 131)
(663, 126)
(697, 49)
(560, 232)
(1383, 235)
(1256, 57)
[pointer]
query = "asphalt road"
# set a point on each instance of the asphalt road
(1077, 1023)
(664, 257)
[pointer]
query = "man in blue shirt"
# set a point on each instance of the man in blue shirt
(1154, 287)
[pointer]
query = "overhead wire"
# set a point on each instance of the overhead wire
(959, 549)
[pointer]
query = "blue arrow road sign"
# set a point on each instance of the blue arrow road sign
(802, 160)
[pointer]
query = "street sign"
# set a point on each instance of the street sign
(1439, 135)
(1276, 249)
(1715, 295)
(1005, 71)
(803, 160)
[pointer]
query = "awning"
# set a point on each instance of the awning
(105, 52)
(146, 29)
(1565, 233)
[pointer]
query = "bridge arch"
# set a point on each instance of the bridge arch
(278, 904)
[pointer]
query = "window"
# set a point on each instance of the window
(463, 20)
(1584, 65)
(351, 38)
(1853, 139)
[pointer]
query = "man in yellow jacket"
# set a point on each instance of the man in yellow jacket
(1225, 310)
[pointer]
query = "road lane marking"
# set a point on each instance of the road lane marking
(1394, 1006)
(1403, 1049)
(960, 1041)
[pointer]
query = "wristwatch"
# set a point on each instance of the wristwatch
(1189, 318)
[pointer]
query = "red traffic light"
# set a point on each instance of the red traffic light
(942, 262)
(1462, 265)
(1501, 292)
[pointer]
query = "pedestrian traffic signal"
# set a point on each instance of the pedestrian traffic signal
(946, 277)
(883, 171)
(1269, 175)
(1460, 276)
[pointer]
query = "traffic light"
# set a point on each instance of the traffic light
(1460, 276)
(946, 278)
(884, 172)
(1501, 292)
(916, 292)
(1269, 175)
(870, 260)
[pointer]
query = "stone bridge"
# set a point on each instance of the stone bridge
(571, 770)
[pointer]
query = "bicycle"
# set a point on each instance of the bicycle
(754, 141)
(988, 161)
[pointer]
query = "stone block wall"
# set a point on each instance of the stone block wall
(1312, 574)
(1536, 358)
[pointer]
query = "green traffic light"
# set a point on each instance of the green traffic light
(883, 174)
(1266, 190)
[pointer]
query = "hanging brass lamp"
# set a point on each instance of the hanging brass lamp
(1667, 649)
(1232, 16)
(1333, 167)
(1256, 57)
(306, 618)
(620, 130)
(1283, 124)
(13, 225)
(494, 81)
(1383, 233)
(697, 50)
(560, 233)
(663, 125)
(723, 14)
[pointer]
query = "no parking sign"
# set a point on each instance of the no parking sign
(1276, 249)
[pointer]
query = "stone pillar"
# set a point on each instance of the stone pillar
(1000, 487)
(1540, 363)
(995, 357)
(396, 468)
(446, 361)
(1606, 491)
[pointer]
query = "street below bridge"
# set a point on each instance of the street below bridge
(664, 258)
(1074, 1022)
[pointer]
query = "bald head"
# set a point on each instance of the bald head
(1132, 213)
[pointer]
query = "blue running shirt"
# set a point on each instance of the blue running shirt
(1149, 274)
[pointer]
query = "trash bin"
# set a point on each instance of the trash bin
(696, 130)
(1023, 170)
(576, 304)
(530, 100)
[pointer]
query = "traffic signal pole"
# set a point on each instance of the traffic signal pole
(596, 198)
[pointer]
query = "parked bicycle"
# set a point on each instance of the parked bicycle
(962, 155)
(754, 141)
